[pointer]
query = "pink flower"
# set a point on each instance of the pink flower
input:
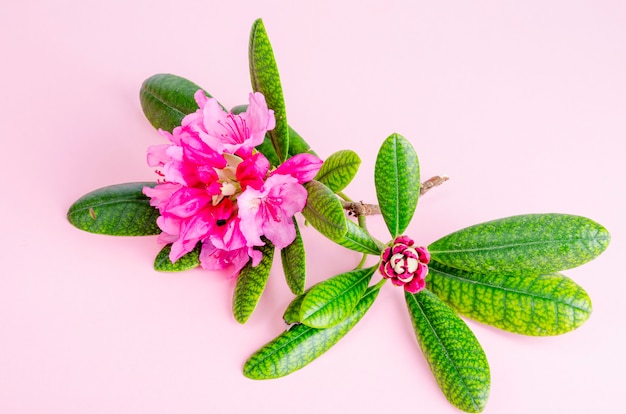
(227, 132)
(270, 210)
(216, 190)
(405, 264)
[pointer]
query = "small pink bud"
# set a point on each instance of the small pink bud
(405, 264)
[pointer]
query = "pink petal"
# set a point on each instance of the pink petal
(303, 167)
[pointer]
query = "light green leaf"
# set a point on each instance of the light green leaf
(397, 180)
(324, 211)
(454, 355)
(166, 99)
(301, 344)
(339, 169)
(530, 305)
(523, 245)
(251, 284)
(162, 262)
(359, 240)
(117, 210)
(293, 258)
(331, 301)
(265, 79)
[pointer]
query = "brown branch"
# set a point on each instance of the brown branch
(359, 208)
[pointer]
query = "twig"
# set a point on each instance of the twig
(359, 208)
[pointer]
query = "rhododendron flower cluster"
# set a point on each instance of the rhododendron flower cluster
(217, 190)
(405, 264)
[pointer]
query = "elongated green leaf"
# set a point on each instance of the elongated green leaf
(162, 262)
(339, 169)
(265, 79)
(117, 210)
(324, 211)
(251, 284)
(293, 259)
(523, 245)
(454, 355)
(530, 305)
(397, 180)
(166, 99)
(334, 299)
(359, 240)
(301, 344)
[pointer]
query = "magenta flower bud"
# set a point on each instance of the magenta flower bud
(405, 264)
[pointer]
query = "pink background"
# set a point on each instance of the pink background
(523, 104)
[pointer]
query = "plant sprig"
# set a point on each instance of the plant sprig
(505, 272)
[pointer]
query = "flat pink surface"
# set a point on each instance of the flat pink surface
(523, 104)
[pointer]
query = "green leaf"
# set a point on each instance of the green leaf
(301, 344)
(334, 299)
(454, 355)
(523, 245)
(293, 259)
(339, 169)
(251, 284)
(166, 99)
(397, 180)
(529, 305)
(162, 262)
(265, 79)
(117, 210)
(297, 144)
(324, 211)
(292, 312)
(359, 240)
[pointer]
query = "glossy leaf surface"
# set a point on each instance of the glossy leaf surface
(301, 344)
(359, 240)
(166, 99)
(454, 355)
(523, 245)
(324, 211)
(251, 284)
(293, 258)
(265, 79)
(339, 169)
(331, 301)
(530, 305)
(397, 180)
(292, 312)
(117, 210)
(162, 262)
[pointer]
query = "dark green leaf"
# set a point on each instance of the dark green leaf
(117, 210)
(297, 144)
(162, 262)
(265, 79)
(331, 301)
(530, 305)
(324, 211)
(454, 355)
(301, 344)
(523, 245)
(293, 259)
(251, 284)
(397, 180)
(339, 169)
(166, 99)
(359, 240)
